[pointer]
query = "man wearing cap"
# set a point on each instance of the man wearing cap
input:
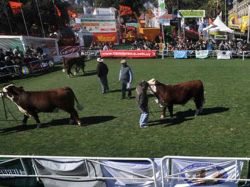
(102, 72)
(126, 77)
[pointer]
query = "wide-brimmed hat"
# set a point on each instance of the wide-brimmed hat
(123, 61)
(99, 59)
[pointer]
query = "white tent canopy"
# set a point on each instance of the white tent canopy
(218, 25)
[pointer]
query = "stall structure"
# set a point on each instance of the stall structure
(102, 24)
(218, 29)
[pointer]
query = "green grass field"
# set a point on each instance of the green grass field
(111, 125)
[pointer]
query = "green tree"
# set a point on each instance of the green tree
(50, 20)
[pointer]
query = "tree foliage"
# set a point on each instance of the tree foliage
(14, 23)
(31, 9)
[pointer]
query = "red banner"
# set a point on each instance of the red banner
(128, 53)
(15, 7)
(105, 37)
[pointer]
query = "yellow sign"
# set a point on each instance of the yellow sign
(233, 21)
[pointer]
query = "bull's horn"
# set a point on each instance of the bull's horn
(151, 81)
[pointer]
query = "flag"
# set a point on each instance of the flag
(15, 7)
(72, 14)
(58, 12)
(125, 10)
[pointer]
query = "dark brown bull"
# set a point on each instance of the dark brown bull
(30, 103)
(77, 62)
(168, 95)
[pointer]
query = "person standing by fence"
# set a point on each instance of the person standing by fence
(102, 73)
(126, 77)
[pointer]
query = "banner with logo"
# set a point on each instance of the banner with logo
(192, 13)
(99, 25)
(201, 54)
(180, 54)
(105, 37)
(128, 53)
(205, 172)
(224, 55)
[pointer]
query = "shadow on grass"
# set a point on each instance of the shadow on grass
(92, 120)
(186, 116)
(89, 73)
(85, 74)
(86, 121)
(119, 90)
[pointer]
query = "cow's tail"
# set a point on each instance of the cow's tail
(78, 105)
(202, 94)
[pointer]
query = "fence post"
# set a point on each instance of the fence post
(247, 184)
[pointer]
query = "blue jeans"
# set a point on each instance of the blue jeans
(143, 119)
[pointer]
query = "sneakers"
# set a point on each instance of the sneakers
(143, 126)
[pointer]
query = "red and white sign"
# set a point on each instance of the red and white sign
(105, 37)
(128, 53)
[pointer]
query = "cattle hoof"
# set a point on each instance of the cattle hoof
(79, 123)
(38, 126)
(71, 122)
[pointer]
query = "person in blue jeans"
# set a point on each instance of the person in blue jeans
(142, 100)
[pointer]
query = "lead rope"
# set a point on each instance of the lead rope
(5, 112)
(6, 109)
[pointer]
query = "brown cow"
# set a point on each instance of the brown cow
(168, 95)
(30, 103)
(78, 62)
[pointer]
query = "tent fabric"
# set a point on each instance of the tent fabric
(218, 25)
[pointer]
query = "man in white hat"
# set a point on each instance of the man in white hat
(126, 77)
(102, 73)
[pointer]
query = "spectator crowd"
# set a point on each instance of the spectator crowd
(11, 58)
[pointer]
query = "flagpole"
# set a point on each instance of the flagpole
(8, 19)
(27, 32)
(40, 18)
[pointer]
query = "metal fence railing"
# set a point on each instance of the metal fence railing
(166, 171)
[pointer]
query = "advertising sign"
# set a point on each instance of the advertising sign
(205, 172)
(99, 26)
(192, 13)
(129, 53)
(105, 37)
